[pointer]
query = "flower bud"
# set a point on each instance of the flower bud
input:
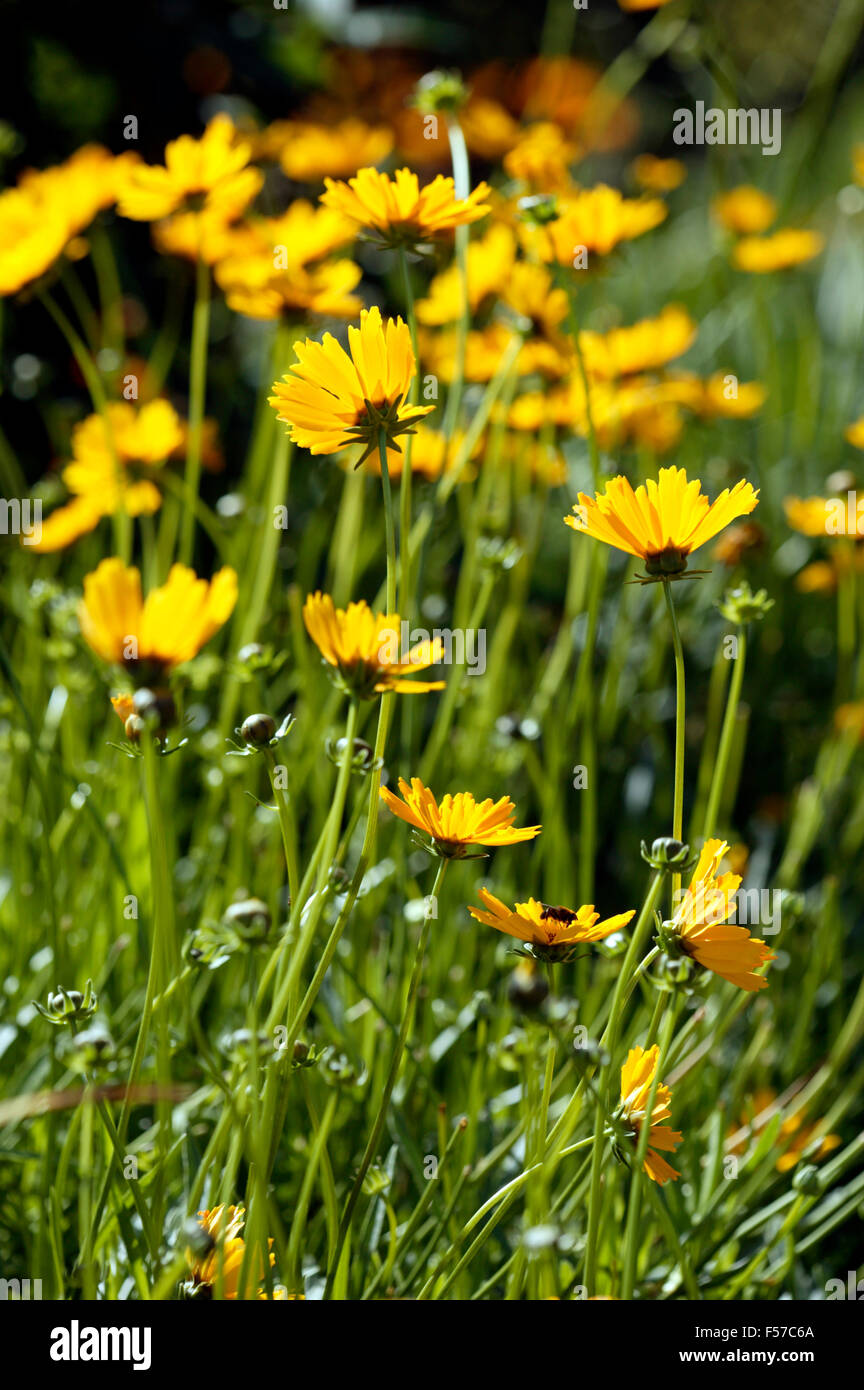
(807, 1179)
(258, 729)
(439, 91)
(741, 605)
(539, 208)
(250, 919)
(666, 853)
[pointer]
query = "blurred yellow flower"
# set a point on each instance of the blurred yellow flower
(399, 210)
(849, 719)
(658, 175)
(365, 648)
(781, 251)
(825, 516)
(745, 210)
(309, 151)
(104, 473)
(167, 628)
(854, 433)
(211, 174)
(253, 287)
(552, 932)
(663, 521)
(541, 158)
(459, 821)
(637, 1076)
(639, 347)
(700, 926)
(330, 400)
(794, 1135)
(596, 219)
(490, 263)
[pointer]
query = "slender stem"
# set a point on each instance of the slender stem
(462, 188)
(197, 395)
(727, 734)
(678, 803)
(389, 527)
(395, 1063)
(406, 479)
(287, 826)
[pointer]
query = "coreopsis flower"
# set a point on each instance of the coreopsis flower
(489, 129)
(209, 175)
(401, 213)
(149, 637)
(700, 927)
(658, 175)
(640, 347)
(594, 220)
(745, 210)
(795, 1136)
(365, 648)
(255, 288)
(824, 516)
(221, 1264)
(759, 255)
(457, 822)
(309, 152)
(550, 933)
(541, 158)
(663, 521)
(112, 468)
(854, 434)
(330, 400)
(637, 1075)
(490, 264)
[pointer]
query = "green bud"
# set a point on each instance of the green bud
(740, 605)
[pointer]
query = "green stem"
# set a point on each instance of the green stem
(727, 733)
(678, 803)
(197, 396)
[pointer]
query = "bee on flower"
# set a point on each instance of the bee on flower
(552, 934)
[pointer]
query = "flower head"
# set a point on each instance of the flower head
(399, 211)
(331, 400)
(160, 632)
(824, 516)
(781, 251)
(309, 151)
(210, 175)
(364, 648)
(218, 1267)
(700, 927)
(637, 1075)
(663, 521)
(596, 219)
(458, 821)
(745, 210)
(551, 933)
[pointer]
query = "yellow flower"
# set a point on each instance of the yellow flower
(633, 6)
(330, 400)
(32, 237)
(553, 933)
(311, 151)
(637, 1075)
(745, 538)
(795, 1136)
(658, 175)
(700, 926)
(365, 648)
(123, 706)
(663, 521)
(398, 210)
(210, 174)
(221, 1267)
(206, 236)
(459, 821)
(854, 433)
(646, 344)
(824, 516)
(252, 287)
(745, 210)
(490, 264)
(596, 219)
(719, 398)
(541, 158)
(167, 628)
(780, 251)
(849, 719)
(103, 472)
(488, 127)
(431, 455)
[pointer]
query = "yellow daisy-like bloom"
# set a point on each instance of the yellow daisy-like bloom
(399, 210)
(744, 210)
(431, 456)
(458, 821)
(488, 127)
(210, 174)
(597, 219)
(824, 516)
(222, 1265)
(552, 933)
(700, 926)
(490, 264)
(854, 434)
(663, 521)
(365, 648)
(309, 152)
(252, 287)
(658, 175)
(640, 347)
(541, 158)
(781, 251)
(160, 632)
(103, 473)
(330, 400)
(637, 1075)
